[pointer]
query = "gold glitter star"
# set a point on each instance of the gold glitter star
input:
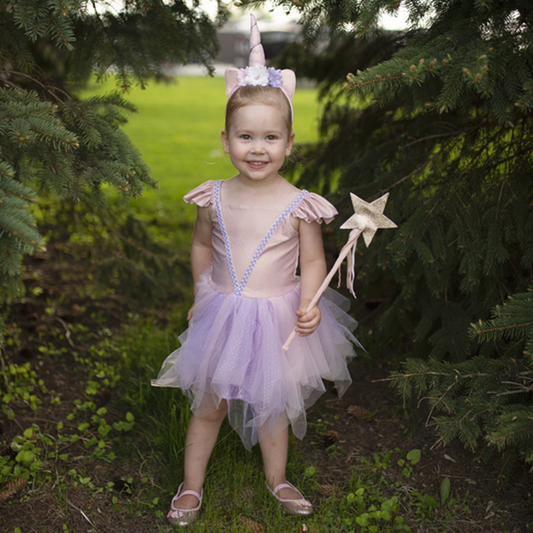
(368, 217)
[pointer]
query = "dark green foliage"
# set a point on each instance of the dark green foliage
(18, 226)
(52, 143)
(484, 401)
(119, 251)
(143, 269)
(445, 124)
(325, 58)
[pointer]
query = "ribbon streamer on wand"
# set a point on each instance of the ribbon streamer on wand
(366, 220)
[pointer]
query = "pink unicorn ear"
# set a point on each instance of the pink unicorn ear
(232, 80)
(289, 82)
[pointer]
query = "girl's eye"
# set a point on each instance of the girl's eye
(271, 137)
(245, 136)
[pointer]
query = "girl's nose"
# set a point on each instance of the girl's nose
(258, 147)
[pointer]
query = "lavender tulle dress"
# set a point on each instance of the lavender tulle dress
(243, 313)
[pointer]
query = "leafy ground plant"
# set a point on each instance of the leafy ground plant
(380, 498)
(37, 452)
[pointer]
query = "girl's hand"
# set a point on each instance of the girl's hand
(307, 322)
(189, 313)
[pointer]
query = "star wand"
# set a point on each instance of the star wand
(366, 220)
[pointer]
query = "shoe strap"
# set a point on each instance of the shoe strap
(179, 494)
(286, 485)
(190, 492)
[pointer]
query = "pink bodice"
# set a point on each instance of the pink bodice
(239, 232)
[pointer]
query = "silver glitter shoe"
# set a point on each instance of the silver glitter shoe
(301, 506)
(184, 517)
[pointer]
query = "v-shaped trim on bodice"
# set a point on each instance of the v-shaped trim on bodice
(239, 287)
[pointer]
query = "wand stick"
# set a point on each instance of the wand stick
(366, 220)
(352, 239)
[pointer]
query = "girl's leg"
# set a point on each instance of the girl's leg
(201, 439)
(274, 448)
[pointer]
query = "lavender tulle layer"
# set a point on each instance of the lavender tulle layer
(232, 351)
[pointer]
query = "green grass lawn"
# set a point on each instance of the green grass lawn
(178, 129)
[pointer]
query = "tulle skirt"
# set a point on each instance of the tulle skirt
(232, 351)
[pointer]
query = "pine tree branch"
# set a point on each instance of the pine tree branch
(10, 83)
(353, 86)
(371, 20)
(502, 329)
(60, 32)
(40, 246)
(3, 363)
(125, 86)
(454, 133)
(34, 80)
(441, 399)
(499, 441)
(424, 373)
(21, 196)
(520, 388)
(417, 170)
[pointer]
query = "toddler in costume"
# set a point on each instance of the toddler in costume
(250, 231)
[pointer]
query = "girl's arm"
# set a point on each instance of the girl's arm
(202, 247)
(313, 270)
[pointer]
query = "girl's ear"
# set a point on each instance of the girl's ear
(290, 142)
(225, 142)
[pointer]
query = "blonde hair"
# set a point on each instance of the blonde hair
(258, 94)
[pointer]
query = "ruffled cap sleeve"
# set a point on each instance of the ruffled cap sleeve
(202, 195)
(314, 208)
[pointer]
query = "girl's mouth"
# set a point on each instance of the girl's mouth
(257, 163)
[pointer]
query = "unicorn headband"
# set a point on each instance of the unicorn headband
(256, 73)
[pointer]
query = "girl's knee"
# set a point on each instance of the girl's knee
(218, 414)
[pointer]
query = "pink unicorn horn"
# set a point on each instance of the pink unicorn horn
(257, 54)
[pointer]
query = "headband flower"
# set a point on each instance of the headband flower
(260, 75)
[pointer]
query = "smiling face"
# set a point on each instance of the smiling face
(257, 141)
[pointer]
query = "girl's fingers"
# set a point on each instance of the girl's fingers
(311, 322)
(308, 322)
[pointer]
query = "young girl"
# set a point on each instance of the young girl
(250, 231)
